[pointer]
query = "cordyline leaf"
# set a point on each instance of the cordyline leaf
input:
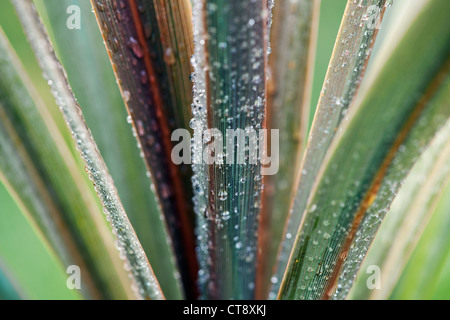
(419, 138)
(348, 63)
(30, 248)
(293, 43)
(390, 127)
(149, 44)
(229, 94)
(127, 242)
(19, 42)
(426, 275)
(9, 288)
(394, 119)
(92, 79)
(407, 219)
(45, 180)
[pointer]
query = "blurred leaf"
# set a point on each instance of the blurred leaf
(229, 94)
(32, 267)
(331, 12)
(127, 242)
(92, 79)
(427, 270)
(150, 43)
(48, 182)
(442, 289)
(407, 219)
(14, 31)
(293, 43)
(346, 69)
(8, 287)
(386, 132)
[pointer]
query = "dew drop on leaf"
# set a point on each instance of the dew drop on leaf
(136, 47)
(223, 195)
(126, 95)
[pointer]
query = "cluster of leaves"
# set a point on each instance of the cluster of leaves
(224, 231)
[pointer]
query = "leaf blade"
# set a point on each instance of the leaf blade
(229, 94)
(142, 68)
(373, 193)
(127, 242)
(36, 177)
(93, 82)
(425, 275)
(407, 219)
(294, 36)
(34, 250)
(347, 67)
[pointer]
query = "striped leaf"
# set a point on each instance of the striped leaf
(38, 174)
(293, 42)
(231, 40)
(407, 219)
(149, 44)
(126, 240)
(363, 170)
(346, 69)
(92, 79)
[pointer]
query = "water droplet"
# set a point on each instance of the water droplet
(169, 56)
(225, 215)
(119, 15)
(101, 6)
(223, 195)
(126, 95)
(140, 128)
(115, 44)
(165, 191)
(222, 45)
(144, 77)
(136, 47)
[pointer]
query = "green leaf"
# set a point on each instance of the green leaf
(426, 275)
(47, 181)
(346, 69)
(127, 242)
(331, 12)
(18, 40)
(8, 288)
(28, 262)
(229, 94)
(149, 44)
(293, 43)
(407, 219)
(92, 79)
(392, 122)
